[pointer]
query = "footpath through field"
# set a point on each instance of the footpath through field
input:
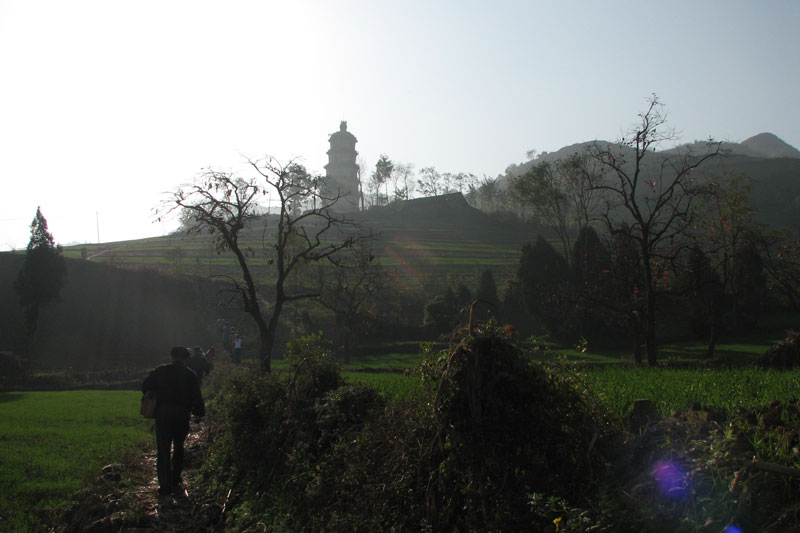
(124, 498)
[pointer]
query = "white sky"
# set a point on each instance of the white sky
(106, 104)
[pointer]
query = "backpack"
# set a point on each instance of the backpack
(148, 407)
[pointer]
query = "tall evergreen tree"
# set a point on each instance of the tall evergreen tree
(706, 303)
(486, 291)
(544, 279)
(590, 265)
(43, 273)
(589, 258)
(463, 295)
(749, 286)
(487, 288)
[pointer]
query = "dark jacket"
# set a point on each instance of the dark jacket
(200, 365)
(176, 384)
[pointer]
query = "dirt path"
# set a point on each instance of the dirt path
(124, 498)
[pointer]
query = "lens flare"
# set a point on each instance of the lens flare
(672, 481)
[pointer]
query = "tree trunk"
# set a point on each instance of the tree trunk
(650, 330)
(265, 351)
(712, 341)
(636, 328)
(650, 302)
(268, 334)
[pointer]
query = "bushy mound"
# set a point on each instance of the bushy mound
(496, 442)
(785, 354)
(506, 429)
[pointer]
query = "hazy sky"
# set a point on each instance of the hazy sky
(106, 104)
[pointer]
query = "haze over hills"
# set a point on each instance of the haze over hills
(772, 164)
(764, 146)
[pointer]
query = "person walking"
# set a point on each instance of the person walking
(237, 349)
(227, 337)
(211, 355)
(178, 395)
(199, 364)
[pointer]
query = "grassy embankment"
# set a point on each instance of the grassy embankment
(53, 443)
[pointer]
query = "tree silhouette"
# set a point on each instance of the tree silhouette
(43, 273)
(224, 205)
(650, 199)
(380, 176)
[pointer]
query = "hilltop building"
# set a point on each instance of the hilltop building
(341, 172)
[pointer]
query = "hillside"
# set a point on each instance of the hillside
(423, 243)
(112, 318)
(428, 242)
(773, 165)
(126, 303)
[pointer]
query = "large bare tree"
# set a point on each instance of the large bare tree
(650, 197)
(305, 229)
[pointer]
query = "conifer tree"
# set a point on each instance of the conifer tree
(43, 273)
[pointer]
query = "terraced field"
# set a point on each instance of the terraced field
(423, 243)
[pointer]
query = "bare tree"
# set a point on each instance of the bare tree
(725, 238)
(402, 181)
(649, 197)
(360, 176)
(224, 205)
(561, 194)
(428, 182)
(782, 263)
(350, 291)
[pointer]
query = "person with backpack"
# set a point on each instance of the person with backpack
(199, 364)
(178, 396)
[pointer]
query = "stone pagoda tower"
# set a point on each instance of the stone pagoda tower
(341, 172)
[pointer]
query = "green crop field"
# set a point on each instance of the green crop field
(393, 387)
(53, 443)
(675, 390)
(616, 387)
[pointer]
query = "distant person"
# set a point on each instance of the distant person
(178, 393)
(237, 349)
(199, 363)
(227, 336)
(211, 355)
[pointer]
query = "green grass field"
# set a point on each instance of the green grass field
(53, 443)
(616, 387)
(392, 386)
(675, 390)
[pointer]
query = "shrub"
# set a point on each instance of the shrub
(492, 430)
(785, 354)
(505, 429)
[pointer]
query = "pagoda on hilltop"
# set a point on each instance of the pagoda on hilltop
(341, 172)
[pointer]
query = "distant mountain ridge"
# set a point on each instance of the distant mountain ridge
(764, 146)
(773, 164)
(770, 146)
